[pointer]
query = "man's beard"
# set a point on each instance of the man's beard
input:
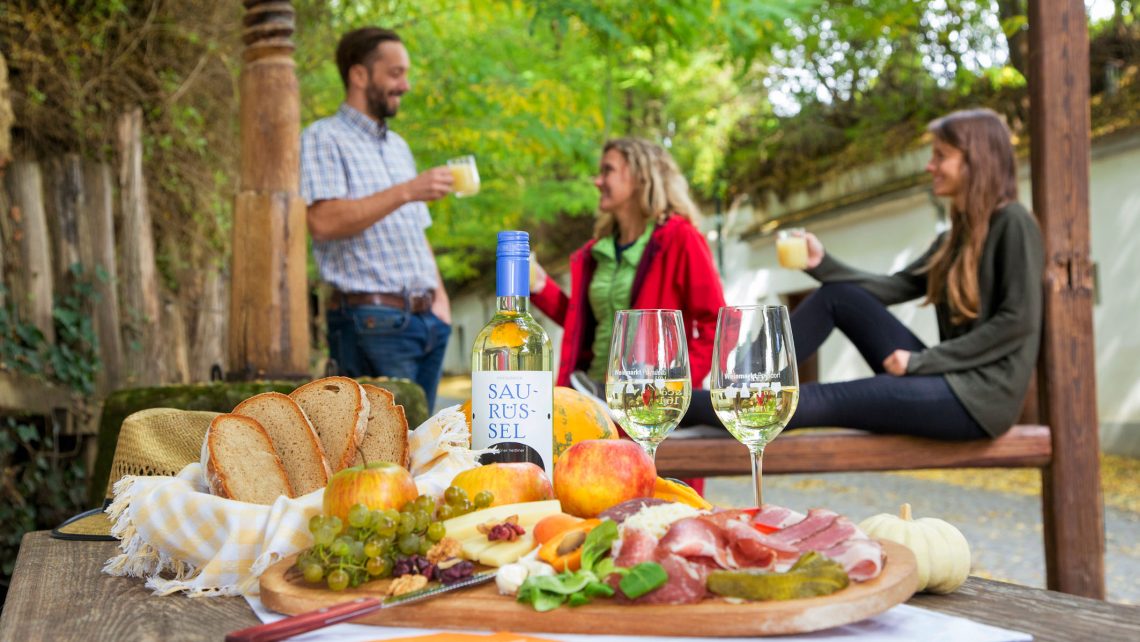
(378, 106)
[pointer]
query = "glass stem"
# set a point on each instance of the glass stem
(651, 450)
(757, 470)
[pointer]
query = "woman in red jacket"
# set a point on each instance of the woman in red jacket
(646, 253)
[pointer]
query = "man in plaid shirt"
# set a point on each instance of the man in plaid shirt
(389, 314)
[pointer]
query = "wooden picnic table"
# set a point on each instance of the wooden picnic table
(59, 592)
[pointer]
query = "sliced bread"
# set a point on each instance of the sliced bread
(387, 436)
(293, 437)
(338, 409)
(240, 462)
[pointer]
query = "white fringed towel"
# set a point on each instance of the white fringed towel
(179, 537)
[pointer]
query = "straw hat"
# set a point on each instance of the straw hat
(155, 441)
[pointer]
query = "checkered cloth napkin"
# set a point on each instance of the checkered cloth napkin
(179, 537)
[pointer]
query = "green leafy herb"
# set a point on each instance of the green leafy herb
(642, 579)
(598, 543)
(546, 592)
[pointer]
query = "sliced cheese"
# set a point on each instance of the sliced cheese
(466, 526)
(472, 548)
(506, 552)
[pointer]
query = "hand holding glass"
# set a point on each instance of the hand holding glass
(755, 386)
(647, 384)
(792, 248)
(465, 175)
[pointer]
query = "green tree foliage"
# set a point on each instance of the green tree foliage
(533, 89)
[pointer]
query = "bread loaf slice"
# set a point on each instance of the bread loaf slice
(338, 409)
(387, 436)
(293, 437)
(240, 462)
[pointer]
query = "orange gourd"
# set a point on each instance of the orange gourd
(578, 418)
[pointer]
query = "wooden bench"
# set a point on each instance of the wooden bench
(829, 451)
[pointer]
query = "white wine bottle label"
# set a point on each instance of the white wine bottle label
(512, 411)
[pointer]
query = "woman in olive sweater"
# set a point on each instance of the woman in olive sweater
(984, 278)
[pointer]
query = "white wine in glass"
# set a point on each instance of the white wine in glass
(755, 386)
(647, 383)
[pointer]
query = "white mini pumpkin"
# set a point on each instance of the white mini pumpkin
(942, 551)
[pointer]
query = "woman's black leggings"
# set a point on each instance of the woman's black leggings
(923, 406)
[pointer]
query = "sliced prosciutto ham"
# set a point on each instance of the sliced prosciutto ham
(836, 537)
(687, 578)
(695, 546)
(749, 548)
(817, 519)
(861, 557)
(635, 546)
(696, 539)
(839, 530)
(776, 517)
(686, 585)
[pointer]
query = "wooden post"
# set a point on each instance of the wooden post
(268, 326)
(1059, 115)
(97, 250)
(63, 197)
(33, 289)
(209, 327)
(139, 284)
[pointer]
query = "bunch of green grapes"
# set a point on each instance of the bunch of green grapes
(456, 502)
(370, 544)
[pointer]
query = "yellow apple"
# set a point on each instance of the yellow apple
(379, 485)
(595, 474)
(510, 483)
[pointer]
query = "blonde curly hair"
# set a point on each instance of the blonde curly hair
(660, 188)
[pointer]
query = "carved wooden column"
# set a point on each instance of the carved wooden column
(268, 327)
(1059, 115)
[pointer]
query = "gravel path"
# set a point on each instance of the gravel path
(1003, 529)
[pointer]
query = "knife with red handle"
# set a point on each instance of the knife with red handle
(343, 612)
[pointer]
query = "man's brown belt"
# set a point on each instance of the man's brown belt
(414, 303)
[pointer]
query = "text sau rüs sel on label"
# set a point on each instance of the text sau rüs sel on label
(512, 406)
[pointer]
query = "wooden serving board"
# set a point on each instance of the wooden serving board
(482, 607)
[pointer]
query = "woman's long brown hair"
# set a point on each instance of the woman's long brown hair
(989, 181)
(661, 189)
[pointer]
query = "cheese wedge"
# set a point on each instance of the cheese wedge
(466, 526)
(507, 552)
(472, 548)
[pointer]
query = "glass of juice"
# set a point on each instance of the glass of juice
(465, 174)
(791, 248)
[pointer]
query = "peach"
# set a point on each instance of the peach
(595, 474)
(551, 525)
(510, 483)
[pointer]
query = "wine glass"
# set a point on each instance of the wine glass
(647, 383)
(755, 386)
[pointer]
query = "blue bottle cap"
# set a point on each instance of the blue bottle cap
(512, 264)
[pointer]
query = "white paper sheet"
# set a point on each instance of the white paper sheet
(902, 623)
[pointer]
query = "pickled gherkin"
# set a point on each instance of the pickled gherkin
(811, 576)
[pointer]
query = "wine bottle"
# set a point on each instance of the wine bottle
(512, 377)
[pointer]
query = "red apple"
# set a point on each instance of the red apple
(510, 483)
(595, 474)
(379, 485)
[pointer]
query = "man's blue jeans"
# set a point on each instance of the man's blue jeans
(382, 341)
